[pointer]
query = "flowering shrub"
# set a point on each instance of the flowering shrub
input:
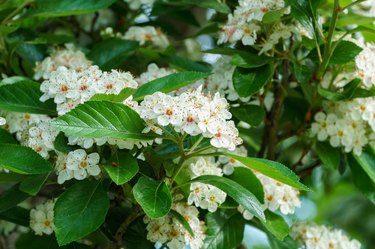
(181, 124)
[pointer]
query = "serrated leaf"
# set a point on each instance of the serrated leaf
(276, 225)
(119, 50)
(248, 60)
(250, 81)
(251, 114)
(225, 229)
(239, 193)
(344, 52)
(271, 169)
(153, 196)
(80, 210)
(169, 83)
(98, 119)
(121, 167)
(22, 160)
(23, 96)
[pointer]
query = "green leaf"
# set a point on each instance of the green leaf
(80, 210)
(225, 229)
(328, 155)
(248, 60)
(16, 215)
(276, 225)
(61, 144)
(210, 4)
(33, 183)
(136, 236)
(32, 241)
(288, 243)
(360, 179)
(182, 221)
(367, 161)
(6, 137)
(169, 83)
(107, 58)
(53, 8)
(22, 160)
(124, 94)
(11, 197)
(273, 16)
(182, 63)
(98, 119)
(344, 52)
(121, 167)
(348, 92)
(251, 114)
(239, 193)
(23, 96)
(271, 169)
(153, 196)
(301, 11)
(250, 81)
(246, 178)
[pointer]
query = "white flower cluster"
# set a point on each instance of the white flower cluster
(69, 87)
(167, 230)
(244, 24)
(70, 57)
(41, 218)
(153, 72)
(319, 237)
(229, 164)
(203, 195)
(221, 80)
(137, 4)
(365, 8)
(347, 124)
(191, 112)
(279, 31)
(77, 164)
(147, 35)
(32, 130)
(365, 63)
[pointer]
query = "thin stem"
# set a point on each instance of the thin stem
(195, 145)
(327, 48)
(353, 3)
(136, 212)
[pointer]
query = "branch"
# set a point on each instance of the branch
(136, 212)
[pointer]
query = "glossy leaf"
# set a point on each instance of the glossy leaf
(344, 52)
(97, 119)
(33, 183)
(276, 225)
(249, 82)
(239, 193)
(121, 167)
(169, 83)
(248, 60)
(22, 160)
(225, 229)
(271, 169)
(328, 155)
(367, 161)
(24, 96)
(251, 114)
(153, 196)
(80, 210)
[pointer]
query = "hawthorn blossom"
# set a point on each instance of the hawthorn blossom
(318, 237)
(42, 218)
(3, 121)
(147, 35)
(83, 164)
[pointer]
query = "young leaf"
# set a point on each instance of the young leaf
(250, 81)
(169, 83)
(121, 167)
(225, 229)
(22, 160)
(276, 225)
(24, 96)
(11, 197)
(52, 8)
(80, 210)
(97, 119)
(239, 193)
(271, 169)
(153, 196)
(344, 52)
(251, 114)
(106, 58)
(330, 156)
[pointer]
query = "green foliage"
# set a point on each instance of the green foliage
(121, 167)
(249, 82)
(330, 156)
(251, 114)
(79, 211)
(153, 196)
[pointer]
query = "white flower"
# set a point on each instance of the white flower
(41, 218)
(137, 4)
(147, 35)
(320, 127)
(83, 165)
(2, 121)
(41, 138)
(153, 72)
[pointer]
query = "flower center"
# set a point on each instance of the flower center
(83, 164)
